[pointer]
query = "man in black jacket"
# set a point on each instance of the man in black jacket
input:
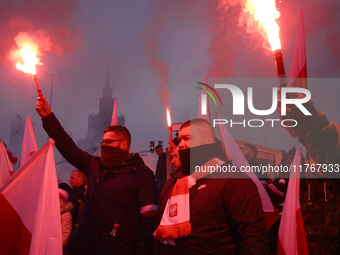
(226, 215)
(160, 173)
(121, 194)
(78, 182)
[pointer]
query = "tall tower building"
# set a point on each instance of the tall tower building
(98, 122)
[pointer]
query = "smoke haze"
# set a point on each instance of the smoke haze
(154, 49)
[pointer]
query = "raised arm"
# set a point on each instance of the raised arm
(64, 143)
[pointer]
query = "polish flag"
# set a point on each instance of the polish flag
(30, 210)
(10, 154)
(114, 114)
(235, 154)
(29, 144)
(202, 105)
(292, 234)
(6, 169)
(298, 71)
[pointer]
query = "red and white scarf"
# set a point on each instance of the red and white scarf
(175, 222)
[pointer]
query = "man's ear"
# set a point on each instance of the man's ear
(209, 139)
(251, 154)
(124, 145)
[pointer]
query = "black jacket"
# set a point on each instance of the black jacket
(113, 196)
(76, 198)
(226, 216)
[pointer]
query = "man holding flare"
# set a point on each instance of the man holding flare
(121, 190)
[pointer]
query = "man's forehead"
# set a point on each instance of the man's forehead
(184, 131)
(192, 130)
(110, 134)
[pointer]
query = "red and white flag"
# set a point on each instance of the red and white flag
(204, 103)
(298, 71)
(30, 210)
(114, 114)
(29, 144)
(292, 235)
(10, 154)
(6, 169)
(235, 154)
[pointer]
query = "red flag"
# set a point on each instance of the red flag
(232, 150)
(6, 169)
(204, 103)
(29, 144)
(114, 114)
(292, 235)
(298, 71)
(10, 154)
(30, 210)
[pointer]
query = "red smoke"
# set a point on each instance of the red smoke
(51, 24)
(153, 48)
(223, 45)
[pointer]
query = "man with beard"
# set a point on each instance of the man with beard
(211, 212)
(122, 196)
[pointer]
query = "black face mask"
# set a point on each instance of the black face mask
(199, 155)
(111, 156)
(184, 157)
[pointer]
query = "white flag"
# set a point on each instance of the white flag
(30, 210)
(29, 144)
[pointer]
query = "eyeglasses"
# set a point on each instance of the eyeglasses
(109, 141)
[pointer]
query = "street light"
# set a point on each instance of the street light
(57, 75)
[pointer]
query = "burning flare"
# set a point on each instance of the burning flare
(29, 60)
(168, 117)
(25, 56)
(264, 12)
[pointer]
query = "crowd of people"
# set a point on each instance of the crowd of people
(126, 210)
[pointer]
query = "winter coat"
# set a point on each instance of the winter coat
(114, 196)
(66, 226)
(226, 216)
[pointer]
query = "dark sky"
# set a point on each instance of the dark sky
(154, 49)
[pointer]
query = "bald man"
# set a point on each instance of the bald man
(224, 215)
(77, 182)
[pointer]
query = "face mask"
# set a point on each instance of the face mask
(200, 155)
(184, 157)
(111, 156)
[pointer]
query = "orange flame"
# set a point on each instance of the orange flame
(29, 60)
(265, 13)
(25, 56)
(168, 117)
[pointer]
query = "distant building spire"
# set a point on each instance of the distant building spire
(107, 90)
(108, 73)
